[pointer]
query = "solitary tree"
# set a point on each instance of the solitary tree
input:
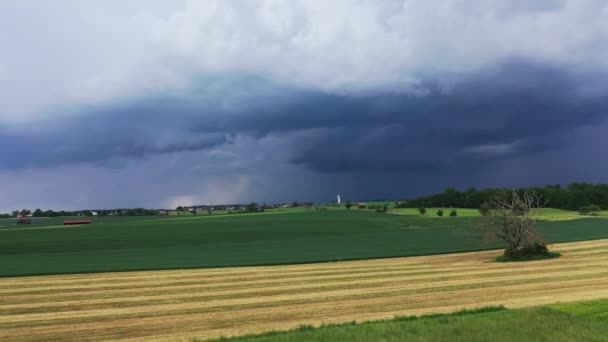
(439, 212)
(484, 209)
(422, 210)
(511, 218)
(348, 205)
(589, 209)
(252, 207)
(453, 213)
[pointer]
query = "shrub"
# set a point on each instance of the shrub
(453, 213)
(534, 251)
(439, 212)
(403, 204)
(422, 210)
(589, 209)
(348, 205)
(484, 209)
(361, 206)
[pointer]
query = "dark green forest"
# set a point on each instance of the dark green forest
(572, 197)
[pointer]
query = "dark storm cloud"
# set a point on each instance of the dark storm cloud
(516, 108)
(96, 141)
(519, 108)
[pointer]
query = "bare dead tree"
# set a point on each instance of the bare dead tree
(512, 218)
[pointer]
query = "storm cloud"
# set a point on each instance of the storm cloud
(289, 100)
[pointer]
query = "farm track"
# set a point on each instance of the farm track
(180, 304)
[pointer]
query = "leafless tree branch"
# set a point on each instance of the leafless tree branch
(512, 218)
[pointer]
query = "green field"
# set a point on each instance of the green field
(543, 213)
(586, 321)
(462, 212)
(281, 237)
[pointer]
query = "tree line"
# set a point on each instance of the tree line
(39, 213)
(108, 212)
(572, 197)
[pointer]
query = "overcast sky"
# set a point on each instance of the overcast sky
(159, 103)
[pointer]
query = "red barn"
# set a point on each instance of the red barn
(73, 222)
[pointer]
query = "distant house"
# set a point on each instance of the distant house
(163, 213)
(75, 222)
(25, 221)
(94, 213)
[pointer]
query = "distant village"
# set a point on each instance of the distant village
(180, 210)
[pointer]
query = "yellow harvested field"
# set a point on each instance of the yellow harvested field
(181, 304)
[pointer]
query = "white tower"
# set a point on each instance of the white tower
(339, 199)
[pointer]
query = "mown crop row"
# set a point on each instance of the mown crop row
(206, 303)
(577, 321)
